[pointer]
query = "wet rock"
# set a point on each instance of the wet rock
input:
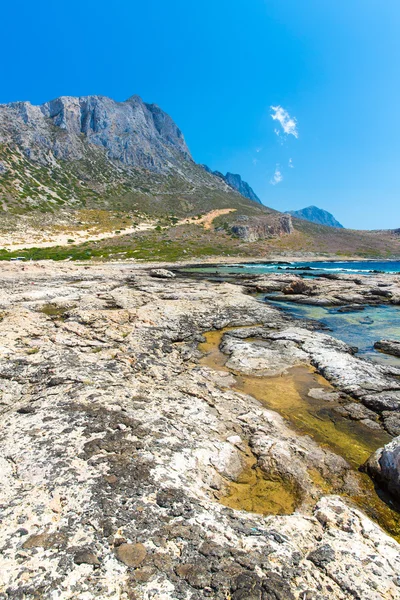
(388, 347)
(298, 286)
(356, 412)
(350, 309)
(132, 555)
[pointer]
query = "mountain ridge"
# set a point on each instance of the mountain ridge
(316, 215)
(95, 152)
(236, 182)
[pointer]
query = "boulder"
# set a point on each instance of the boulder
(384, 467)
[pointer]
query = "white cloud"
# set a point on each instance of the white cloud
(288, 123)
(278, 177)
(291, 165)
(255, 161)
(258, 150)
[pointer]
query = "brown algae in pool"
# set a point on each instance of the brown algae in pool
(288, 395)
(254, 493)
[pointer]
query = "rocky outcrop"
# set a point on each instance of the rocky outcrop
(316, 215)
(384, 467)
(345, 290)
(235, 182)
(132, 132)
(388, 347)
(252, 229)
(118, 446)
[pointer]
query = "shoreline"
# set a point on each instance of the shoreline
(122, 444)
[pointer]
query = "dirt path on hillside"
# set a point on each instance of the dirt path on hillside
(31, 239)
(207, 219)
(46, 239)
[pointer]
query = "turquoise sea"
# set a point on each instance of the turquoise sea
(359, 328)
(313, 267)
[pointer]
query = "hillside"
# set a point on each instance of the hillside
(117, 179)
(95, 153)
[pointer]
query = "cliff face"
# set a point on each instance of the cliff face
(316, 215)
(236, 183)
(261, 228)
(132, 132)
(93, 152)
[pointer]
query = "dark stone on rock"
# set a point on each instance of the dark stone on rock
(26, 410)
(322, 556)
(381, 292)
(366, 321)
(196, 574)
(275, 587)
(86, 557)
(247, 586)
(131, 555)
(45, 540)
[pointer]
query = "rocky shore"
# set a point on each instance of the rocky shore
(120, 445)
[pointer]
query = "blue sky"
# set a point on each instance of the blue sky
(217, 66)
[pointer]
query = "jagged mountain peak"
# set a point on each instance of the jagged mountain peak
(132, 132)
(236, 182)
(95, 151)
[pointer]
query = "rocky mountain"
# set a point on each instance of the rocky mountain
(316, 215)
(95, 152)
(236, 183)
(133, 133)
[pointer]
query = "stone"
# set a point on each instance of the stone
(384, 467)
(131, 555)
(45, 540)
(298, 286)
(388, 347)
(162, 274)
(322, 555)
(86, 557)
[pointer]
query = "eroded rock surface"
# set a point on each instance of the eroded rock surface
(329, 289)
(117, 444)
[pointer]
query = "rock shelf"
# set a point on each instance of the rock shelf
(118, 446)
